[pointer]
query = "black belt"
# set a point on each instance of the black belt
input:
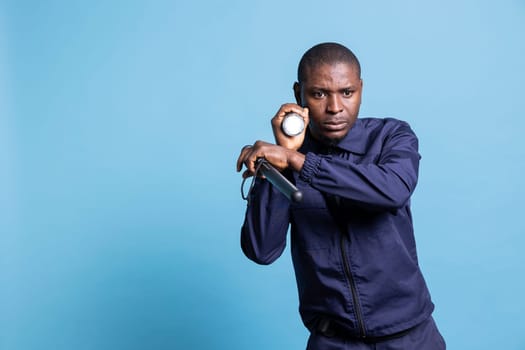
(331, 329)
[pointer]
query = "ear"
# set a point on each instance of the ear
(297, 93)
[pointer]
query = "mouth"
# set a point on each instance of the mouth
(334, 125)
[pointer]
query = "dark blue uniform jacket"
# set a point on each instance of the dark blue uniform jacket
(352, 239)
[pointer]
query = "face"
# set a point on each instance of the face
(332, 93)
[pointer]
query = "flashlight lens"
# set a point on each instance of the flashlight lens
(293, 124)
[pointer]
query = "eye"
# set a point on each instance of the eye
(318, 94)
(347, 92)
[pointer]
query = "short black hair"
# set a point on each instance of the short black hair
(326, 53)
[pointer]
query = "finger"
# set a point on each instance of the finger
(290, 108)
(246, 174)
(250, 162)
(285, 109)
(306, 116)
(240, 160)
(249, 174)
(251, 159)
(305, 112)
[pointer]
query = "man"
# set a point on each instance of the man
(352, 240)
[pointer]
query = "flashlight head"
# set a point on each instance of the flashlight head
(293, 124)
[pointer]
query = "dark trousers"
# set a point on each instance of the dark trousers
(425, 336)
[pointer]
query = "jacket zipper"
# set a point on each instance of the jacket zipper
(348, 272)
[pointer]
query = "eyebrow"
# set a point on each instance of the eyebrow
(349, 87)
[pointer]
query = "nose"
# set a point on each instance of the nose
(334, 105)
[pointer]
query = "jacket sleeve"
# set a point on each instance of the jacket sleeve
(386, 183)
(263, 234)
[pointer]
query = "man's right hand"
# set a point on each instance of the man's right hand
(280, 157)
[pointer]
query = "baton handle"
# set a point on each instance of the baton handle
(278, 180)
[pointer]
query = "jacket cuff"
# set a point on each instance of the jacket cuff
(310, 167)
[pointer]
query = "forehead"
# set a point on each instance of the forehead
(339, 73)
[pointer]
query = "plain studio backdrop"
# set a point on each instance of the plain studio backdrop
(120, 126)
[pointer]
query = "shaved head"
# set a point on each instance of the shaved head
(326, 53)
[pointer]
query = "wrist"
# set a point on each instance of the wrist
(295, 160)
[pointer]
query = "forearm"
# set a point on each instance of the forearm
(384, 177)
(386, 186)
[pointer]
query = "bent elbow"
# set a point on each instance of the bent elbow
(261, 260)
(262, 254)
(259, 256)
(399, 200)
(401, 190)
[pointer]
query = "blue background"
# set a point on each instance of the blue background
(120, 125)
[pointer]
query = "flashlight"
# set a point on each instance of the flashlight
(293, 124)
